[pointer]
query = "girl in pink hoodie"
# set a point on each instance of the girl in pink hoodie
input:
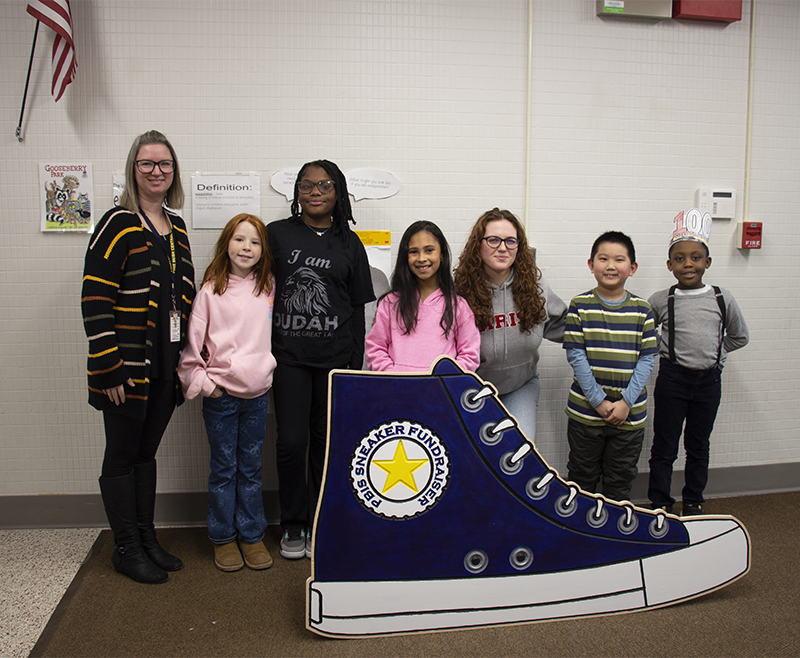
(228, 360)
(422, 317)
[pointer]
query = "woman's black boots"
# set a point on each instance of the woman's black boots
(145, 505)
(129, 557)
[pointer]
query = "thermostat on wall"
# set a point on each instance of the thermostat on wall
(720, 203)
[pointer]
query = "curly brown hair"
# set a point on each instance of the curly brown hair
(473, 284)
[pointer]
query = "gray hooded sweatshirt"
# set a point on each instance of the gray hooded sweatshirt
(508, 355)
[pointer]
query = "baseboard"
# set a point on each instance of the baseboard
(86, 510)
(177, 509)
(733, 481)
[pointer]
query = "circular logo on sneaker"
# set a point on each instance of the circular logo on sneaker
(399, 469)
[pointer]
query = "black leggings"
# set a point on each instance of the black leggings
(301, 411)
(132, 440)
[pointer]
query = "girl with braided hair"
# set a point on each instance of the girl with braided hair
(322, 282)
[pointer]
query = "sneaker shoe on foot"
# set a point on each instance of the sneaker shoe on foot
(293, 543)
(308, 544)
(692, 509)
(437, 513)
(227, 556)
(661, 508)
(256, 556)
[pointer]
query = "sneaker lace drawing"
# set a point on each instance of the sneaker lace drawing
(438, 513)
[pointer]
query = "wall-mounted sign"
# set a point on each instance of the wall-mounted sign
(218, 197)
(67, 197)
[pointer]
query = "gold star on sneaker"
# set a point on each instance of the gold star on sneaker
(399, 469)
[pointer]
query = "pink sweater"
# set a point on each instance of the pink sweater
(236, 329)
(388, 349)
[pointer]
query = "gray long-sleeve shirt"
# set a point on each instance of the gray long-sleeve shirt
(698, 326)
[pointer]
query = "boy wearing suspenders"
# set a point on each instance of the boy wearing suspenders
(699, 324)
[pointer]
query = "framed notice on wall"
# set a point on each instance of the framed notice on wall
(218, 197)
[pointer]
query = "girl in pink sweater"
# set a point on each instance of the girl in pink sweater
(228, 360)
(422, 317)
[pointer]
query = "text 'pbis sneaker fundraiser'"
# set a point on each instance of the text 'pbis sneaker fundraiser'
(437, 513)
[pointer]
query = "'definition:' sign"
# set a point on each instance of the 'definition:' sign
(218, 197)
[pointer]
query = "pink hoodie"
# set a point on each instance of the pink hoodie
(236, 330)
(388, 349)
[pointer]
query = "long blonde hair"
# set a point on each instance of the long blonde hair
(129, 199)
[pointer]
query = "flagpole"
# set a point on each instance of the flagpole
(27, 80)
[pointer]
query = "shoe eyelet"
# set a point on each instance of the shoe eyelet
(628, 522)
(521, 558)
(491, 433)
(507, 466)
(533, 491)
(658, 532)
(468, 401)
(476, 561)
(597, 520)
(488, 436)
(566, 505)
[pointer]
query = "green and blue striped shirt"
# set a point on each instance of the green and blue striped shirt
(614, 338)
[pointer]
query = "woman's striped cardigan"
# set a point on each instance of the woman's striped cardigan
(119, 302)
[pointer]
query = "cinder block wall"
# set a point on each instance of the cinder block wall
(628, 119)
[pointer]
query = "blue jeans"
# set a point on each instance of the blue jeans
(235, 429)
(523, 403)
(690, 395)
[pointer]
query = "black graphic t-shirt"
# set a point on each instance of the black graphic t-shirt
(318, 280)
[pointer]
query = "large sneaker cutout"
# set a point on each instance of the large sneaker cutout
(437, 513)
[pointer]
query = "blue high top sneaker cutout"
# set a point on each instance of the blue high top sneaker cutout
(437, 513)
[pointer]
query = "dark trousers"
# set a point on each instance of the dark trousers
(606, 451)
(131, 440)
(682, 395)
(301, 412)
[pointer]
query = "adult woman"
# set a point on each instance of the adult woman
(138, 287)
(322, 283)
(514, 308)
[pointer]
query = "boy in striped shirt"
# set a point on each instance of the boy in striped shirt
(610, 340)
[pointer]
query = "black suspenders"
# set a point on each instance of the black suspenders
(671, 318)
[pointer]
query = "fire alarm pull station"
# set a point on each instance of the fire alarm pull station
(748, 235)
(721, 204)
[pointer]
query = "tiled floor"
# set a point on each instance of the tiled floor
(36, 567)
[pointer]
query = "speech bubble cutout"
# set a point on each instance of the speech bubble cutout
(371, 184)
(283, 181)
(118, 184)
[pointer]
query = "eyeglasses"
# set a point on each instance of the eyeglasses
(494, 242)
(324, 186)
(147, 166)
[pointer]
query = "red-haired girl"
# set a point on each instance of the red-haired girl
(228, 360)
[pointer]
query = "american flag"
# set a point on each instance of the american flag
(57, 16)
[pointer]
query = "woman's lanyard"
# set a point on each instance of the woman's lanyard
(174, 316)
